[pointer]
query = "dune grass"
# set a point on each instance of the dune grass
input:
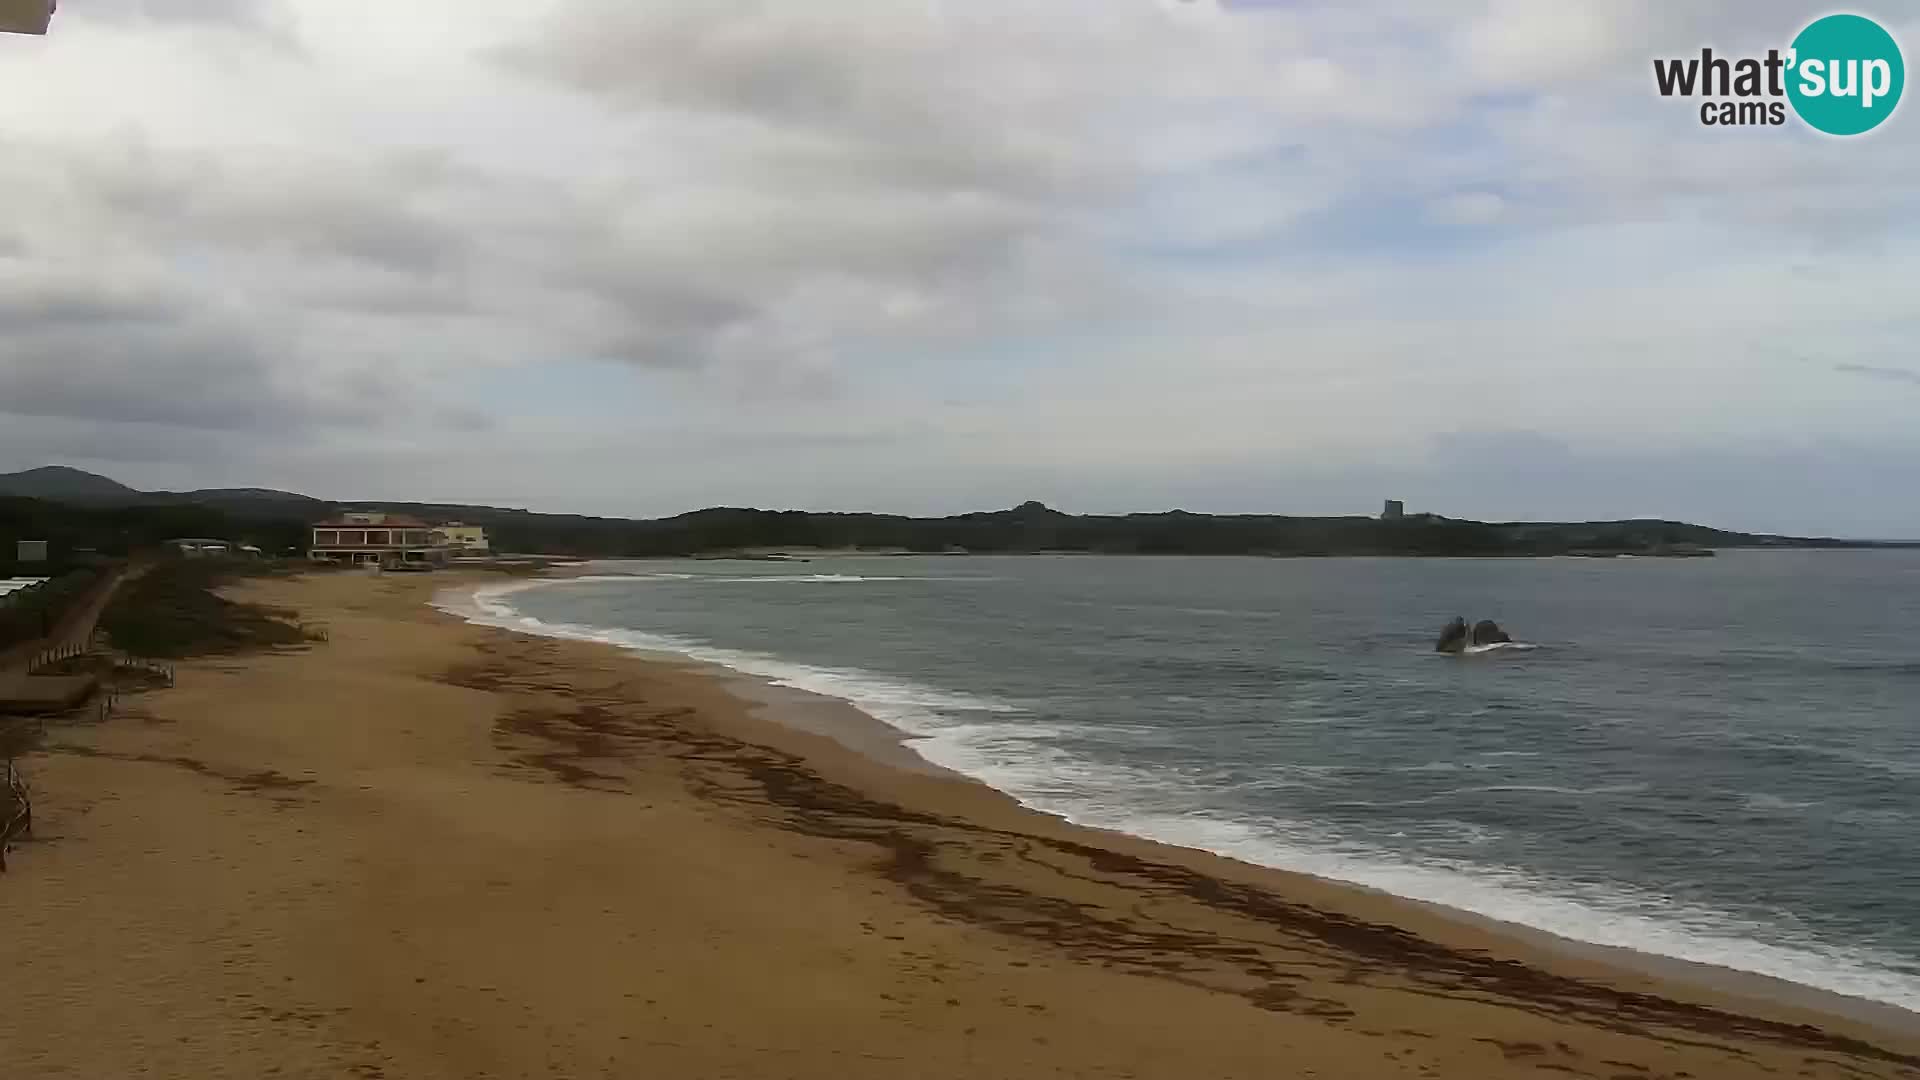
(173, 611)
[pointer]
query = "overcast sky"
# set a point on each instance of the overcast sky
(635, 257)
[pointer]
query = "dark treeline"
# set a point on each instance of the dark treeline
(1035, 528)
(73, 532)
(33, 613)
(278, 527)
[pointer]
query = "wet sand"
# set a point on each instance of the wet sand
(429, 849)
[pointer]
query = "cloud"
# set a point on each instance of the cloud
(1876, 371)
(1467, 208)
(937, 252)
(267, 18)
(329, 206)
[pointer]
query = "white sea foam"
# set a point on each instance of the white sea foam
(1622, 918)
(1761, 800)
(804, 579)
(999, 744)
(915, 709)
(1499, 647)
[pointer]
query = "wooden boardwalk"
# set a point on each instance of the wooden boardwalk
(21, 691)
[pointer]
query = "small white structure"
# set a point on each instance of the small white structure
(15, 586)
(1395, 510)
(200, 547)
(26, 16)
(462, 538)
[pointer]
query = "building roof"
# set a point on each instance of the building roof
(391, 521)
(26, 16)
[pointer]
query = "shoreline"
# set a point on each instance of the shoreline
(844, 722)
(428, 848)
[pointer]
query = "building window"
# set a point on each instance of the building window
(376, 539)
(326, 538)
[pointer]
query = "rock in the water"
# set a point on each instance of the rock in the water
(1488, 632)
(1453, 637)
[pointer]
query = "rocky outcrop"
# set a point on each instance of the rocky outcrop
(1455, 637)
(1488, 632)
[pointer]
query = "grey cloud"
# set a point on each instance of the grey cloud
(144, 353)
(465, 420)
(119, 348)
(188, 377)
(267, 18)
(376, 210)
(396, 296)
(122, 450)
(181, 376)
(873, 93)
(1527, 451)
(28, 304)
(1885, 374)
(875, 171)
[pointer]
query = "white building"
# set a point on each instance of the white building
(462, 539)
(378, 539)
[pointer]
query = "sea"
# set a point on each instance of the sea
(1715, 759)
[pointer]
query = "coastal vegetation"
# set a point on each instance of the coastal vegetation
(90, 515)
(174, 610)
(32, 613)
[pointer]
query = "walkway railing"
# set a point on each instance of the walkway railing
(16, 809)
(127, 661)
(47, 658)
(45, 661)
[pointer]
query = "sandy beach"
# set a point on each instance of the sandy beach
(428, 849)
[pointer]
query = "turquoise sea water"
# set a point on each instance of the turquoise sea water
(1712, 759)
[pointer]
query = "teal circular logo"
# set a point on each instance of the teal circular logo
(1845, 74)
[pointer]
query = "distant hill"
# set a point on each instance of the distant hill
(61, 483)
(118, 518)
(238, 495)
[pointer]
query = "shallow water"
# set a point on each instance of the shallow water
(1712, 759)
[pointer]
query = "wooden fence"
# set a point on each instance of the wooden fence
(47, 658)
(16, 809)
(16, 800)
(162, 671)
(51, 658)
